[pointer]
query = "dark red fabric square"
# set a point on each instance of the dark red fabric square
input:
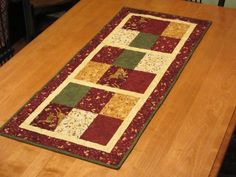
(138, 81)
(101, 130)
(165, 44)
(114, 77)
(146, 25)
(51, 116)
(107, 54)
(94, 100)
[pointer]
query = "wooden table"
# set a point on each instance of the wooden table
(189, 133)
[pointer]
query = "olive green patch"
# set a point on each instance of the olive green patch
(71, 95)
(129, 59)
(144, 40)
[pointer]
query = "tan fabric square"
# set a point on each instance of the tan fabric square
(119, 106)
(93, 71)
(175, 30)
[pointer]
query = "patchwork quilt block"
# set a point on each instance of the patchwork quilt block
(100, 102)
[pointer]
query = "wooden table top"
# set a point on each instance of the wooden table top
(188, 132)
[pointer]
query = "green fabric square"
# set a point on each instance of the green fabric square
(129, 59)
(71, 94)
(144, 40)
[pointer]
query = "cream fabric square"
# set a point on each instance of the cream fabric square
(153, 63)
(121, 37)
(75, 123)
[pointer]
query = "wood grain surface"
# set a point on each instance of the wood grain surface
(186, 134)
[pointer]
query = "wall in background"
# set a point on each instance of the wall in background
(228, 3)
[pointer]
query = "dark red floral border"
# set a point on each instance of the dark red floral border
(130, 137)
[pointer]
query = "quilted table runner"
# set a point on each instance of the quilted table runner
(98, 105)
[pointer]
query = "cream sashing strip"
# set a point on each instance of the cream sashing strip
(133, 112)
(107, 88)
